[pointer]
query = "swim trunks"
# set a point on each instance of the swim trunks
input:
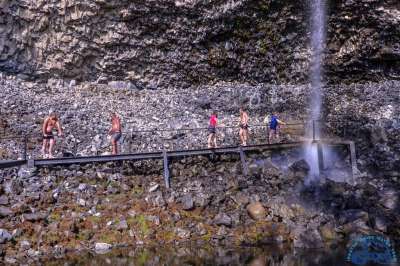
(116, 136)
(244, 126)
(48, 135)
(212, 129)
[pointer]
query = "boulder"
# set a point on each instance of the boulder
(102, 247)
(300, 168)
(328, 232)
(5, 212)
(256, 211)
(4, 236)
(187, 202)
(309, 239)
(34, 217)
(223, 219)
(122, 225)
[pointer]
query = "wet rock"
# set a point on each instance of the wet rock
(34, 217)
(102, 247)
(310, 238)
(389, 199)
(328, 232)
(202, 200)
(352, 215)
(256, 211)
(5, 212)
(25, 245)
(3, 200)
(122, 225)
(280, 209)
(4, 236)
(357, 226)
(223, 219)
(182, 233)
(381, 224)
(154, 187)
(187, 202)
(300, 168)
(25, 172)
(222, 232)
(242, 199)
(156, 199)
(201, 229)
(14, 187)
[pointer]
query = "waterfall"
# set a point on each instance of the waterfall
(318, 29)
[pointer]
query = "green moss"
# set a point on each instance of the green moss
(263, 47)
(51, 238)
(94, 219)
(207, 237)
(137, 191)
(140, 223)
(54, 217)
(143, 257)
(110, 237)
(84, 235)
(264, 5)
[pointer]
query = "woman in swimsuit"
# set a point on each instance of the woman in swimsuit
(212, 129)
(244, 126)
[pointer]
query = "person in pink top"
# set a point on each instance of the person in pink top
(212, 130)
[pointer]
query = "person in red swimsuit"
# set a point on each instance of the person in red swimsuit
(212, 130)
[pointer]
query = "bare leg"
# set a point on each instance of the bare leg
(245, 136)
(277, 133)
(242, 141)
(113, 144)
(209, 141)
(52, 143)
(115, 148)
(44, 147)
(271, 135)
(215, 140)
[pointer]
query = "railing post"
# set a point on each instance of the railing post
(320, 157)
(25, 147)
(353, 161)
(313, 130)
(243, 160)
(166, 169)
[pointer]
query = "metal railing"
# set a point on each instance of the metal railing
(138, 141)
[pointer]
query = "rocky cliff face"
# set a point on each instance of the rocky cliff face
(184, 42)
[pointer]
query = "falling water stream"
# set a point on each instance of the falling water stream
(317, 25)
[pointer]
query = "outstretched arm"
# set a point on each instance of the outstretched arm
(59, 129)
(281, 122)
(44, 126)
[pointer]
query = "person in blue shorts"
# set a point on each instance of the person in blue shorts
(274, 126)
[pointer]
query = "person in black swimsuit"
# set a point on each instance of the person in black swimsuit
(244, 126)
(115, 132)
(49, 124)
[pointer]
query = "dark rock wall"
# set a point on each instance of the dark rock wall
(186, 42)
